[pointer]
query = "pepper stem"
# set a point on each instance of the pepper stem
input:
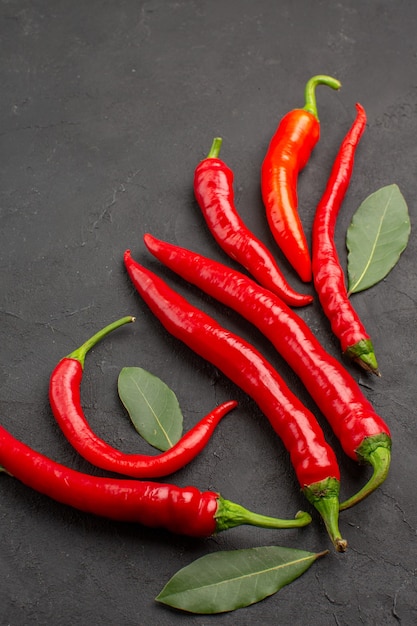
(215, 148)
(80, 353)
(380, 459)
(229, 514)
(362, 353)
(310, 91)
(324, 496)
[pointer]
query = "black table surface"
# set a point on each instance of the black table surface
(106, 109)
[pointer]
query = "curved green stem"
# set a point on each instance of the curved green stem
(229, 514)
(324, 496)
(215, 148)
(80, 353)
(310, 91)
(363, 354)
(380, 458)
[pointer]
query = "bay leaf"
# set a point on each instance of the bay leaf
(232, 579)
(376, 237)
(152, 406)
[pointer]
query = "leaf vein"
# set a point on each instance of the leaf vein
(142, 393)
(374, 245)
(242, 577)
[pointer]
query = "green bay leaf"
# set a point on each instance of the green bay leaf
(229, 580)
(152, 406)
(378, 234)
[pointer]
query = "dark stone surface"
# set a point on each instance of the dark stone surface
(106, 109)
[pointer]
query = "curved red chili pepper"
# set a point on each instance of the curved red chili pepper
(183, 510)
(329, 279)
(65, 399)
(363, 434)
(213, 189)
(287, 154)
(313, 459)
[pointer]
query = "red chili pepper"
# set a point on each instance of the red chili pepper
(363, 434)
(213, 189)
(183, 510)
(65, 399)
(287, 154)
(313, 459)
(329, 279)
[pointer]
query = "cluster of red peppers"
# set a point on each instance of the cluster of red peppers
(184, 510)
(265, 300)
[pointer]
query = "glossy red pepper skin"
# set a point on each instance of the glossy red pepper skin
(64, 394)
(288, 153)
(213, 189)
(363, 434)
(182, 510)
(313, 459)
(329, 278)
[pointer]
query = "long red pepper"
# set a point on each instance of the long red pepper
(363, 434)
(183, 510)
(213, 189)
(65, 399)
(329, 278)
(287, 154)
(313, 459)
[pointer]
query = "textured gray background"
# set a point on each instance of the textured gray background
(105, 110)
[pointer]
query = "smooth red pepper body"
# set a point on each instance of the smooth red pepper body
(180, 510)
(213, 189)
(183, 510)
(287, 154)
(329, 278)
(313, 459)
(363, 434)
(65, 400)
(64, 393)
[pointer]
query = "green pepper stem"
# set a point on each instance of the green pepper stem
(310, 91)
(380, 459)
(80, 353)
(362, 353)
(229, 514)
(324, 496)
(215, 148)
